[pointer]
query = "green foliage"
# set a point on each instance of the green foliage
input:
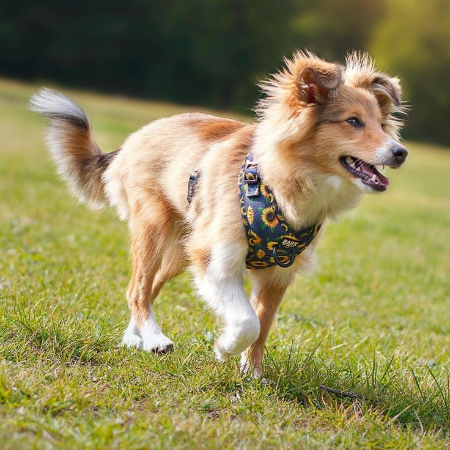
(333, 28)
(372, 320)
(212, 52)
(198, 51)
(413, 42)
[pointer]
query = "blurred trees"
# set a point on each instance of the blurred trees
(413, 41)
(196, 51)
(212, 52)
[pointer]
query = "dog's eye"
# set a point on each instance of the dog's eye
(354, 122)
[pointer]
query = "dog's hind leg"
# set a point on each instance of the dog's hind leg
(149, 237)
(173, 263)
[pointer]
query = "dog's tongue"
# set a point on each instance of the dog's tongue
(373, 174)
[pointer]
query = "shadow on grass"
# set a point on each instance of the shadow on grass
(417, 398)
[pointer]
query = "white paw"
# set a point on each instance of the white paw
(228, 345)
(235, 339)
(245, 365)
(158, 343)
(221, 355)
(257, 373)
(248, 369)
(132, 340)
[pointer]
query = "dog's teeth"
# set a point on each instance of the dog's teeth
(374, 178)
(358, 169)
(349, 160)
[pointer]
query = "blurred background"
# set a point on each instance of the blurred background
(212, 52)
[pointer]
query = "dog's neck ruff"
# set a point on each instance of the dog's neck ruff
(271, 240)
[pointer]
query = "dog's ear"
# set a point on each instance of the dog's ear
(387, 91)
(316, 83)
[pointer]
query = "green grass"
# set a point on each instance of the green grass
(373, 320)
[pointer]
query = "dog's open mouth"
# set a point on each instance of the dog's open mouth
(369, 174)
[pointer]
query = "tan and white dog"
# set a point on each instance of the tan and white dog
(321, 131)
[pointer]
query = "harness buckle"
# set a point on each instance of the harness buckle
(277, 259)
(251, 178)
(193, 178)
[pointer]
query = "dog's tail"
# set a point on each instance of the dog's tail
(78, 158)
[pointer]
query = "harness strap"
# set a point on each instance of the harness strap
(271, 240)
(252, 179)
(193, 178)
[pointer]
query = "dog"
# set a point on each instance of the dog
(322, 132)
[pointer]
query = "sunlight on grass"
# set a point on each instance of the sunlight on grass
(372, 321)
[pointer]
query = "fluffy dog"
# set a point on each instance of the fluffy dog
(321, 132)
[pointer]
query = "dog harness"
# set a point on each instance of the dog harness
(271, 240)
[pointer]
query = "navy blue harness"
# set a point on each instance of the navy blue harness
(271, 240)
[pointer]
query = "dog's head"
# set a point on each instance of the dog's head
(335, 120)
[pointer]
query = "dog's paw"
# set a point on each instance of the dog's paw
(247, 368)
(221, 354)
(158, 344)
(257, 373)
(132, 340)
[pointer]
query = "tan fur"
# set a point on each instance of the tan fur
(300, 134)
(72, 146)
(216, 128)
(265, 301)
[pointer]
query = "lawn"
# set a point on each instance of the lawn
(372, 321)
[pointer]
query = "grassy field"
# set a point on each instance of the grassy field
(373, 320)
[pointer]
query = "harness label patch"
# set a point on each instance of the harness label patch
(289, 243)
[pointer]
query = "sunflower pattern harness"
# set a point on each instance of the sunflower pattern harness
(271, 240)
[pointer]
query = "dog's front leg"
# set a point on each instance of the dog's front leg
(266, 298)
(221, 286)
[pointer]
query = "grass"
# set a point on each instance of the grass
(373, 320)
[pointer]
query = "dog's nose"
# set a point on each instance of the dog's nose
(400, 153)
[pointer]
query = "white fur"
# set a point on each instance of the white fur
(222, 289)
(49, 102)
(382, 156)
(114, 190)
(335, 181)
(247, 369)
(363, 187)
(153, 339)
(132, 337)
(150, 338)
(383, 153)
(330, 197)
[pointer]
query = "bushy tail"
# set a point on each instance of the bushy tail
(78, 158)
